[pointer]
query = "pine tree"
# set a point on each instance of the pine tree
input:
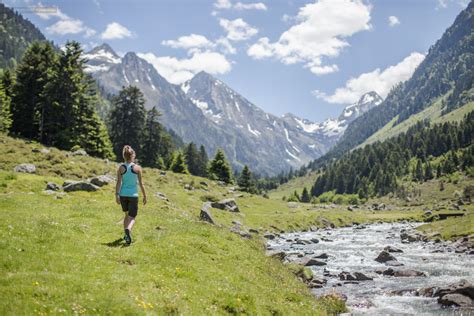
(157, 144)
(245, 181)
(418, 174)
(5, 114)
(428, 172)
(192, 159)
(29, 104)
(203, 162)
(305, 198)
(127, 119)
(219, 168)
(178, 164)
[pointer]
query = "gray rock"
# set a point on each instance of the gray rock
(102, 180)
(236, 222)
(253, 230)
(392, 249)
(314, 262)
(410, 236)
(314, 240)
(408, 273)
(188, 187)
(204, 184)
(79, 152)
(237, 230)
(456, 300)
(321, 256)
(25, 168)
(384, 256)
(356, 276)
(161, 196)
(205, 214)
(227, 205)
(80, 186)
(269, 236)
(292, 204)
(52, 186)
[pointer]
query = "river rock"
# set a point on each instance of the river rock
(253, 230)
(407, 237)
(384, 256)
(393, 263)
(314, 262)
(408, 273)
(102, 180)
(227, 205)
(80, 186)
(317, 283)
(205, 214)
(392, 249)
(25, 168)
(52, 186)
(269, 236)
(355, 276)
(321, 256)
(461, 287)
(456, 300)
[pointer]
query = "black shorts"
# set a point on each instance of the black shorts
(129, 205)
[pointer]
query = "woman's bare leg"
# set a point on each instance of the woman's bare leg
(131, 221)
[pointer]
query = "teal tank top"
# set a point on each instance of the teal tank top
(129, 186)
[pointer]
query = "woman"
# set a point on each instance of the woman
(126, 192)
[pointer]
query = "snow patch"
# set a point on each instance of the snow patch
(291, 155)
(307, 127)
(255, 132)
(287, 136)
(103, 56)
(295, 148)
(185, 87)
(93, 69)
(237, 105)
(125, 76)
(200, 104)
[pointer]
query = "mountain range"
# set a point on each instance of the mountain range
(204, 110)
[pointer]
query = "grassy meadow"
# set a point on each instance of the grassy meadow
(62, 253)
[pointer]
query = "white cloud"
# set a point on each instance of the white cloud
(320, 31)
(250, 6)
(178, 71)
(443, 4)
(70, 26)
(115, 30)
(376, 80)
(393, 20)
(65, 25)
(227, 4)
(238, 29)
(189, 41)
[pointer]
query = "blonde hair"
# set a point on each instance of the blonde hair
(128, 153)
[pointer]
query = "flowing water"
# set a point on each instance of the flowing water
(354, 250)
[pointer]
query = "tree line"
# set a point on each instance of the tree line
(423, 152)
(50, 99)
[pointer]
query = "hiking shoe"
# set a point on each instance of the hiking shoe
(127, 237)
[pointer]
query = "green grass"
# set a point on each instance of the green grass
(433, 113)
(64, 255)
(451, 228)
(298, 183)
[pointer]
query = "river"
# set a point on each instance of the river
(353, 249)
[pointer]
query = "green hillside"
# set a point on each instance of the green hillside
(432, 113)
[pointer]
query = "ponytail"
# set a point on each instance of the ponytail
(128, 152)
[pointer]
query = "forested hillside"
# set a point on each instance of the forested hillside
(422, 153)
(446, 71)
(16, 33)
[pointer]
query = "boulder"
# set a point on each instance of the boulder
(161, 196)
(269, 236)
(188, 187)
(25, 168)
(204, 184)
(237, 230)
(292, 204)
(321, 256)
(314, 240)
(408, 273)
(456, 300)
(52, 186)
(102, 180)
(462, 287)
(392, 249)
(407, 237)
(79, 152)
(80, 186)
(384, 256)
(356, 276)
(314, 262)
(205, 214)
(393, 263)
(227, 205)
(253, 231)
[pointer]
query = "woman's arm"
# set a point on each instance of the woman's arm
(142, 187)
(118, 185)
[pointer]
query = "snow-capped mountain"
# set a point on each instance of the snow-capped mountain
(206, 111)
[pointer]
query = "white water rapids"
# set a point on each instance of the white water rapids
(354, 250)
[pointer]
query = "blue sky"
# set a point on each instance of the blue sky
(310, 58)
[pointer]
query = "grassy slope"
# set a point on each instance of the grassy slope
(65, 255)
(433, 113)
